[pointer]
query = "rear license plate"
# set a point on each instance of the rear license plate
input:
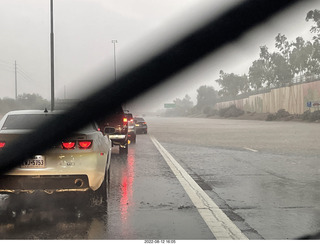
(38, 161)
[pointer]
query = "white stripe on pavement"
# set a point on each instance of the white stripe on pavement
(218, 222)
(250, 149)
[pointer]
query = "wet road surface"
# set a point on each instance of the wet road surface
(263, 176)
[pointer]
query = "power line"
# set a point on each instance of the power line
(24, 73)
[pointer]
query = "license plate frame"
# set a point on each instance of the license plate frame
(37, 162)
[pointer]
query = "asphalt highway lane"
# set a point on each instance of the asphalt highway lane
(264, 176)
(147, 201)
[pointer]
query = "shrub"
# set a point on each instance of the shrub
(231, 111)
(306, 115)
(282, 113)
(271, 117)
(315, 116)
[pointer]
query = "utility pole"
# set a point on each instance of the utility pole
(52, 56)
(114, 53)
(16, 79)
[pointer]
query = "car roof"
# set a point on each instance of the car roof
(34, 112)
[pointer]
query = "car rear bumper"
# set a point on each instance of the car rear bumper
(141, 129)
(43, 183)
(118, 139)
(60, 172)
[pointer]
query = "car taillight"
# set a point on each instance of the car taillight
(2, 144)
(125, 121)
(85, 144)
(68, 145)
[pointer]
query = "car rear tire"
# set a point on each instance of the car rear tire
(123, 150)
(134, 140)
(100, 196)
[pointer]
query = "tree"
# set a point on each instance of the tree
(301, 55)
(283, 45)
(207, 96)
(281, 69)
(256, 74)
(183, 106)
(232, 84)
(313, 64)
(268, 73)
(272, 69)
(31, 101)
(314, 15)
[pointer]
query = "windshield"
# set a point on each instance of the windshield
(225, 142)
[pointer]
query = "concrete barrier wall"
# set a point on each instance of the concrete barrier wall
(292, 98)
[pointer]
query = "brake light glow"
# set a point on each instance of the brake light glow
(68, 145)
(125, 121)
(85, 144)
(2, 144)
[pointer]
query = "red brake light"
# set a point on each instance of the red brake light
(85, 144)
(125, 121)
(2, 144)
(68, 145)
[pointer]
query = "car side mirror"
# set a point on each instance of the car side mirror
(109, 130)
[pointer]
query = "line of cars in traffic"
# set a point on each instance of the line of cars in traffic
(77, 164)
(136, 125)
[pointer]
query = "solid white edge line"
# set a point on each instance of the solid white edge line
(218, 222)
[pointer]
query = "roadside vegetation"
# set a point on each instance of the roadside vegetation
(24, 101)
(290, 61)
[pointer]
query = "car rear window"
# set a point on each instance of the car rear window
(31, 121)
(129, 116)
(24, 121)
(139, 119)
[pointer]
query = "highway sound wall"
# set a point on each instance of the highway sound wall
(294, 99)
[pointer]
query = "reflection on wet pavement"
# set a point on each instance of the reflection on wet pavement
(127, 179)
(50, 220)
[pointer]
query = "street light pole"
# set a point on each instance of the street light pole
(114, 53)
(52, 55)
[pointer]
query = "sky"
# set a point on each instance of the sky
(84, 29)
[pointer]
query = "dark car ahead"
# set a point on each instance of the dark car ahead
(119, 122)
(141, 125)
(132, 137)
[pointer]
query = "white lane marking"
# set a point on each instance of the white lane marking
(250, 149)
(218, 222)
